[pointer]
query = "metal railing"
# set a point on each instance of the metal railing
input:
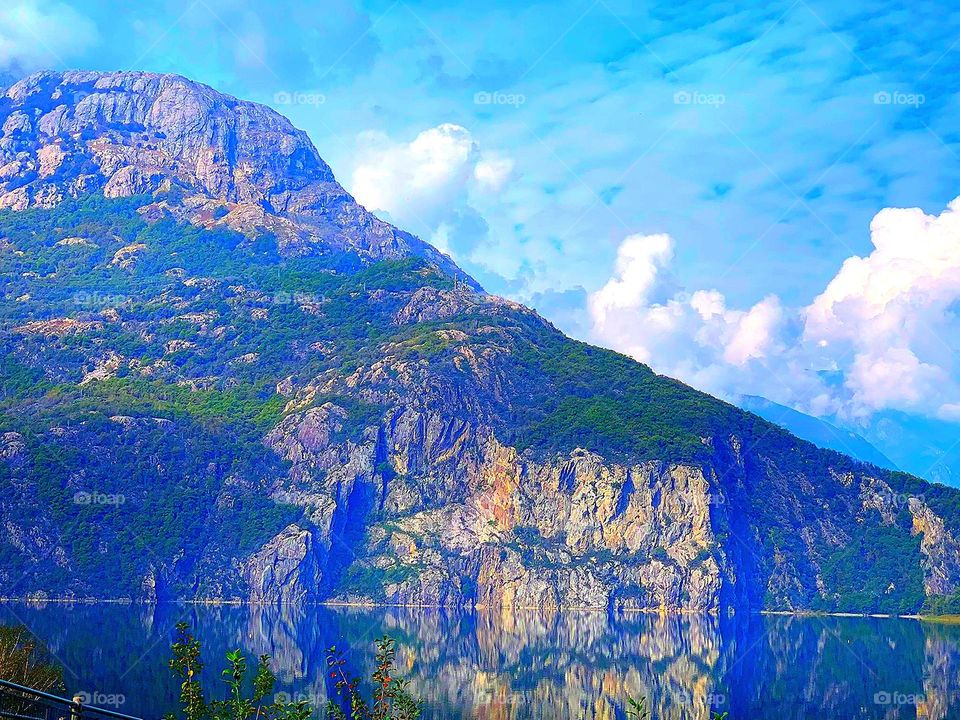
(18, 702)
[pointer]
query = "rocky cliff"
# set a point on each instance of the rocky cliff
(224, 379)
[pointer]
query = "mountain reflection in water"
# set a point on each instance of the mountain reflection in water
(532, 665)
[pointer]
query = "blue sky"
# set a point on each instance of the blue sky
(710, 187)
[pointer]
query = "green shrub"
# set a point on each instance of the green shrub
(389, 699)
(240, 703)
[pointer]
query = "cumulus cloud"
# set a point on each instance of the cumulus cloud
(754, 332)
(892, 378)
(35, 33)
(881, 336)
(426, 185)
(641, 311)
(894, 311)
(493, 172)
(949, 411)
(640, 259)
(415, 182)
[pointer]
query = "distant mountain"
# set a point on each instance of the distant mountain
(819, 432)
(926, 447)
(222, 378)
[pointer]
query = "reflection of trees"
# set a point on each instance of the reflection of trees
(941, 671)
(832, 667)
(534, 665)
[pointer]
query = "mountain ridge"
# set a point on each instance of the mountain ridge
(816, 430)
(68, 134)
(311, 405)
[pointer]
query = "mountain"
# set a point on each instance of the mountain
(223, 379)
(819, 432)
(926, 447)
(121, 134)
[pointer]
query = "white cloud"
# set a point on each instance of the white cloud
(426, 185)
(35, 33)
(755, 331)
(893, 378)
(949, 411)
(492, 172)
(694, 337)
(894, 311)
(885, 328)
(414, 182)
(913, 272)
(639, 260)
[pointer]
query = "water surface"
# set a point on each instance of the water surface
(531, 665)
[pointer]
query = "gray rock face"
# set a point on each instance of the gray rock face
(136, 129)
(127, 133)
(285, 570)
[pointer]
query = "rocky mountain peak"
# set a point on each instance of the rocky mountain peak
(130, 130)
(209, 157)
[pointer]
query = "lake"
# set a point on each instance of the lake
(531, 665)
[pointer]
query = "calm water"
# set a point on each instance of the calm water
(530, 665)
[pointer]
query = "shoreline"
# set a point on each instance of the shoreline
(482, 609)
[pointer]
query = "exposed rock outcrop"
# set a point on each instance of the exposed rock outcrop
(285, 570)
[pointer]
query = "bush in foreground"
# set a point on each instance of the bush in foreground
(391, 700)
(25, 661)
(248, 698)
(241, 703)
